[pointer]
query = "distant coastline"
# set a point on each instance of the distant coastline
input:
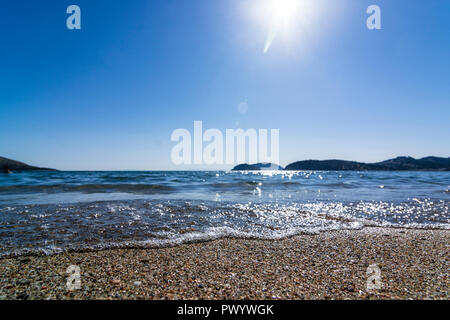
(397, 164)
(13, 165)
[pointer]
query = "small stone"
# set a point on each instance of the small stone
(23, 296)
(115, 282)
(137, 283)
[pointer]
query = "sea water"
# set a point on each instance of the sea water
(50, 212)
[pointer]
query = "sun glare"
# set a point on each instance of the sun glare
(283, 17)
(283, 11)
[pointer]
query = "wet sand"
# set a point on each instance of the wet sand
(414, 264)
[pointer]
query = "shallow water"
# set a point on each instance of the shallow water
(54, 211)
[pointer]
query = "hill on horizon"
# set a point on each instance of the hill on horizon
(257, 167)
(396, 164)
(14, 165)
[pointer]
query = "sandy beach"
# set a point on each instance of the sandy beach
(414, 264)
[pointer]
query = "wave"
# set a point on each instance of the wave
(141, 188)
(277, 184)
(211, 234)
(88, 188)
(155, 223)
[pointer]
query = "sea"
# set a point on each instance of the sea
(52, 212)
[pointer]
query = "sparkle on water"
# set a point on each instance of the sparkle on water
(56, 211)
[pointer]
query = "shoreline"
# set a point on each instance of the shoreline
(414, 264)
(40, 253)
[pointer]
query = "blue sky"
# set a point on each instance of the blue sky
(109, 96)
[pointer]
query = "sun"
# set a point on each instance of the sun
(283, 11)
(283, 17)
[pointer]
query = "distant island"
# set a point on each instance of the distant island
(8, 165)
(257, 167)
(397, 164)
